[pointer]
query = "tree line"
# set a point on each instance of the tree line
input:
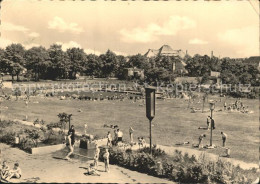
(39, 63)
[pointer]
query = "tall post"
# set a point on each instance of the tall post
(69, 122)
(150, 109)
(150, 136)
(211, 110)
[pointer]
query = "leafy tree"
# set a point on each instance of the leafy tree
(139, 61)
(64, 119)
(158, 75)
(38, 61)
(59, 63)
(78, 61)
(93, 66)
(110, 63)
(14, 59)
(122, 64)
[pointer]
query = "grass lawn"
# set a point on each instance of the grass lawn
(173, 122)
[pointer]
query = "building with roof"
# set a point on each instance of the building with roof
(151, 53)
(178, 65)
(165, 50)
(133, 73)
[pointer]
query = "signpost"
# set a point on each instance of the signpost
(212, 107)
(150, 108)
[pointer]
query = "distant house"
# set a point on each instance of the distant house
(194, 80)
(215, 77)
(165, 50)
(133, 73)
(151, 53)
(178, 66)
(214, 74)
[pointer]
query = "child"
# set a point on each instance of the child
(109, 139)
(131, 131)
(139, 142)
(15, 172)
(143, 141)
(106, 160)
(92, 170)
(96, 157)
(4, 170)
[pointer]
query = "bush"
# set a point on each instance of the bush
(179, 168)
(156, 152)
(8, 138)
(4, 123)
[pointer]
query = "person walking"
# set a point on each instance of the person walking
(224, 138)
(131, 131)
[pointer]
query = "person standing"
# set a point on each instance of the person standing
(225, 106)
(86, 127)
(224, 138)
(96, 157)
(72, 132)
(106, 160)
(115, 137)
(69, 145)
(131, 131)
(119, 136)
(208, 121)
(212, 123)
(109, 139)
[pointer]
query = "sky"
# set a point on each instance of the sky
(228, 28)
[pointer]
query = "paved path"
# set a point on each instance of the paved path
(210, 156)
(45, 168)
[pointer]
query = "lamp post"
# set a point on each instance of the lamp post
(150, 109)
(69, 118)
(211, 107)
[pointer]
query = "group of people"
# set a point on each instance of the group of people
(237, 106)
(223, 136)
(118, 137)
(6, 173)
(92, 169)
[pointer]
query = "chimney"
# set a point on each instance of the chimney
(211, 54)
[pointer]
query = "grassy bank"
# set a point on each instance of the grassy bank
(173, 122)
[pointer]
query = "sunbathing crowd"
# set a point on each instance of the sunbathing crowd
(237, 106)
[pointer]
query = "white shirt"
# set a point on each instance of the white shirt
(120, 134)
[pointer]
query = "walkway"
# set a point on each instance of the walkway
(45, 168)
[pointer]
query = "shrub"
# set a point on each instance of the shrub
(179, 168)
(33, 135)
(8, 137)
(4, 123)
(156, 152)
